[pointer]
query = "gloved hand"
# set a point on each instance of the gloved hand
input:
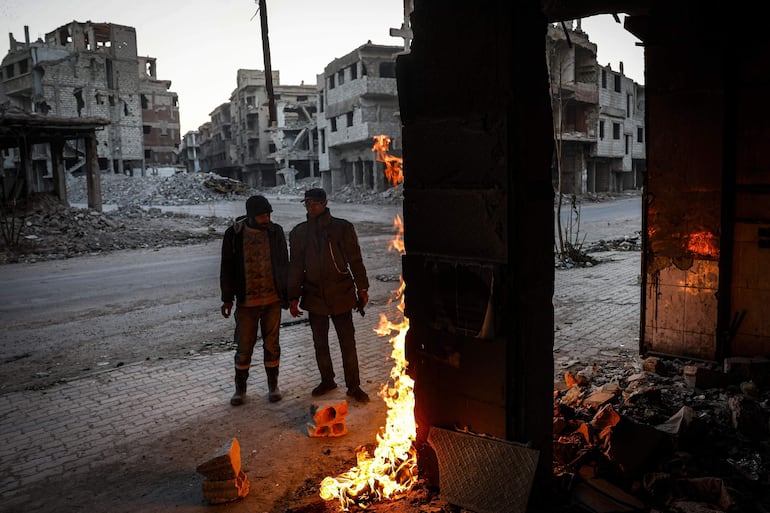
(227, 308)
(294, 308)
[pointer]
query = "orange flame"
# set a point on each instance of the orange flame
(393, 165)
(703, 244)
(391, 470)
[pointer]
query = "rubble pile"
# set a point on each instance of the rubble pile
(664, 436)
(178, 189)
(50, 230)
(358, 194)
(627, 243)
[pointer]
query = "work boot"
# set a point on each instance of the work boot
(273, 394)
(325, 386)
(240, 387)
(358, 394)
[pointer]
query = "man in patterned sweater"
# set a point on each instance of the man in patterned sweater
(254, 272)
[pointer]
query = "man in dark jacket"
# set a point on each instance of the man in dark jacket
(327, 272)
(254, 271)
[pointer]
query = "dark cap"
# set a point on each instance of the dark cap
(317, 194)
(257, 205)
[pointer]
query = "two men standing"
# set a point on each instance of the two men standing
(325, 276)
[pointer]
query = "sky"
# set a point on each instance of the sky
(200, 45)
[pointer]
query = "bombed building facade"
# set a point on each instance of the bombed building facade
(241, 142)
(598, 117)
(87, 70)
(357, 100)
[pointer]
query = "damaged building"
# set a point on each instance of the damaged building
(91, 70)
(240, 142)
(598, 116)
(357, 100)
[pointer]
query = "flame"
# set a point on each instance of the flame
(391, 470)
(703, 244)
(393, 165)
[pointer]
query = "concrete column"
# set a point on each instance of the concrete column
(59, 173)
(93, 178)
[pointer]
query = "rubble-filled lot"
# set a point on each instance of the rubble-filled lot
(663, 435)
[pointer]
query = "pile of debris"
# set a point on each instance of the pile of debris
(178, 189)
(627, 243)
(49, 230)
(666, 436)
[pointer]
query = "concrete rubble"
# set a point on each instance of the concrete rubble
(664, 435)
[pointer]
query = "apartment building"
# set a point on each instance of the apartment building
(91, 70)
(598, 117)
(357, 100)
(160, 116)
(189, 152)
(241, 142)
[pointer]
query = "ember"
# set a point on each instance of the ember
(391, 470)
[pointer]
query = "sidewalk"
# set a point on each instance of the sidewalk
(131, 436)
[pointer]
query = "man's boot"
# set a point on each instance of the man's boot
(274, 394)
(240, 387)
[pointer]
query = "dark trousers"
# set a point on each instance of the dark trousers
(248, 319)
(343, 325)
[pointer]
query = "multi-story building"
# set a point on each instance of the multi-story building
(160, 116)
(272, 154)
(91, 70)
(218, 151)
(357, 100)
(189, 152)
(598, 117)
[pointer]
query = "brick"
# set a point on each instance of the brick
(218, 492)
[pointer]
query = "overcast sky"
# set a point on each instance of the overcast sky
(199, 46)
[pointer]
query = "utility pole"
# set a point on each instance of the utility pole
(268, 67)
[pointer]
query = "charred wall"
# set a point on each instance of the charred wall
(478, 266)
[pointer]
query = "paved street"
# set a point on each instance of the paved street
(125, 416)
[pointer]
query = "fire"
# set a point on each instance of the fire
(393, 165)
(391, 470)
(703, 244)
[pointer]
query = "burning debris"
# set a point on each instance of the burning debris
(672, 436)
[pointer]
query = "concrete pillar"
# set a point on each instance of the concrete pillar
(58, 170)
(93, 177)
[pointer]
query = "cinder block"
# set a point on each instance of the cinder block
(328, 419)
(225, 464)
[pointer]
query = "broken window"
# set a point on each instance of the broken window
(9, 71)
(23, 66)
(341, 77)
(175, 101)
(350, 118)
(354, 71)
(388, 69)
(302, 98)
(146, 129)
(616, 131)
(148, 154)
(617, 83)
(250, 101)
(601, 130)
(111, 100)
(251, 121)
(78, 93)
(125, 108)
(321, 100)
(331, 81)
(604, 79)
(145, 102)
(628, 105)
(363, 69)
(334, 124)
(628, 143)
(639, 134)
(323, 141)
